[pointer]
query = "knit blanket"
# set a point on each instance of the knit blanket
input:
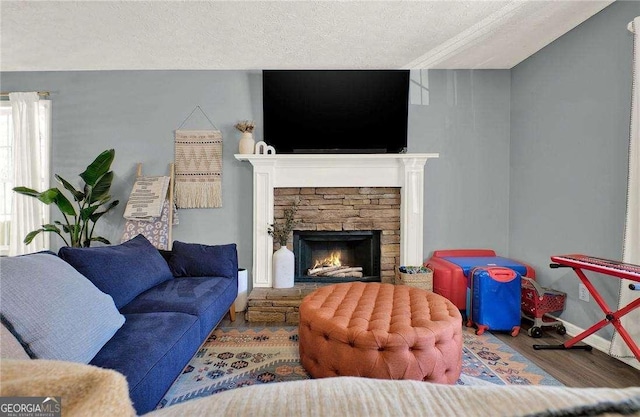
(155, 229)
(198, 168)
(351, 396)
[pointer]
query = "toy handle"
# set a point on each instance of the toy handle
(537, 287)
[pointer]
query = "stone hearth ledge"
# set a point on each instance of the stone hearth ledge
(337, 170)
(280, 305)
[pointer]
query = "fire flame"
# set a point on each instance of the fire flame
(332, 260)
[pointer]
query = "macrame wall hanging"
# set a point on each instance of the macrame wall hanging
(198, 166)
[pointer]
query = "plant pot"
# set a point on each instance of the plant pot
(283, 268)
(247, 143)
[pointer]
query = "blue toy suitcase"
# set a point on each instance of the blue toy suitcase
(493, 299)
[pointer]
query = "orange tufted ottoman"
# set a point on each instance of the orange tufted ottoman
(380, 331)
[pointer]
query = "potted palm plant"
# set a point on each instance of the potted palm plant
(91, 204)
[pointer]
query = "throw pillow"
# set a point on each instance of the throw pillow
(123, 271)
(56, 311)
(195, 260)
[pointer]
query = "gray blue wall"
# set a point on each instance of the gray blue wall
(467, 188)
(570, 109)
(532, 160)
(136, 112)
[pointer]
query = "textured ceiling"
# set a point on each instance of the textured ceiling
(121, 35)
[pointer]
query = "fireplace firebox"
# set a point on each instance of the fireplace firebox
(337, 256)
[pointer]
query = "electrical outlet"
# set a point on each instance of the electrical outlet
(583, 293)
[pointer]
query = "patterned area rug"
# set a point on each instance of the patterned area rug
(238, 357)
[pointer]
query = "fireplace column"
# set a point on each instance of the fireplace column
(412, 212)
(263, 178)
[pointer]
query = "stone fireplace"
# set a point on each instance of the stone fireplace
(399, 178)
(360, 224)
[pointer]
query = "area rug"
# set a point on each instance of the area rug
(238, 357)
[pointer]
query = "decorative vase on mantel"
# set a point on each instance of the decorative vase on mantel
(283, 268)
(247, 143)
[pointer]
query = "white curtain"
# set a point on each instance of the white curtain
(31, 118)
(631, 247)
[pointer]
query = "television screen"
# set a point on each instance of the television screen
(336, 111)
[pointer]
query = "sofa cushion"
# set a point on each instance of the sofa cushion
(55, 310)
(209, 298)
(151, 350)
(122, 271)
(10, 347)
(195, 260)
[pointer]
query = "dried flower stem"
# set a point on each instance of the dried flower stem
(245, 126)
(280, 231)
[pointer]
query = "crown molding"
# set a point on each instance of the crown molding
(496, 41)
(468, 37)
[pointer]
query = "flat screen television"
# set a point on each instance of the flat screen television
(336, 111)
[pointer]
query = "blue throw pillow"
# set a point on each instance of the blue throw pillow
(195, 260)
(122, 271)
(55, 311)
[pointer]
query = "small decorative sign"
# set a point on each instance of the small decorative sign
(263, 149)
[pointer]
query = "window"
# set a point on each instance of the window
(7, 172)
(419, 87)
(6, 175)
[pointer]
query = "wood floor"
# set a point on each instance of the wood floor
(573, 368)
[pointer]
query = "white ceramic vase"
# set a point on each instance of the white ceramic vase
(283, 268)
(247, 143)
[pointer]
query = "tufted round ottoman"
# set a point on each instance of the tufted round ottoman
(380, 331)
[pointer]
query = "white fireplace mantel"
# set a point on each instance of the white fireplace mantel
(337, 170)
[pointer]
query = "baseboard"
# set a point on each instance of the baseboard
(634, 363)
(597, 342)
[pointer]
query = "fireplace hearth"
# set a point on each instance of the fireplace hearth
(337, 256)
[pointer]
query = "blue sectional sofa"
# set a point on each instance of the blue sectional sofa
(169, 301)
